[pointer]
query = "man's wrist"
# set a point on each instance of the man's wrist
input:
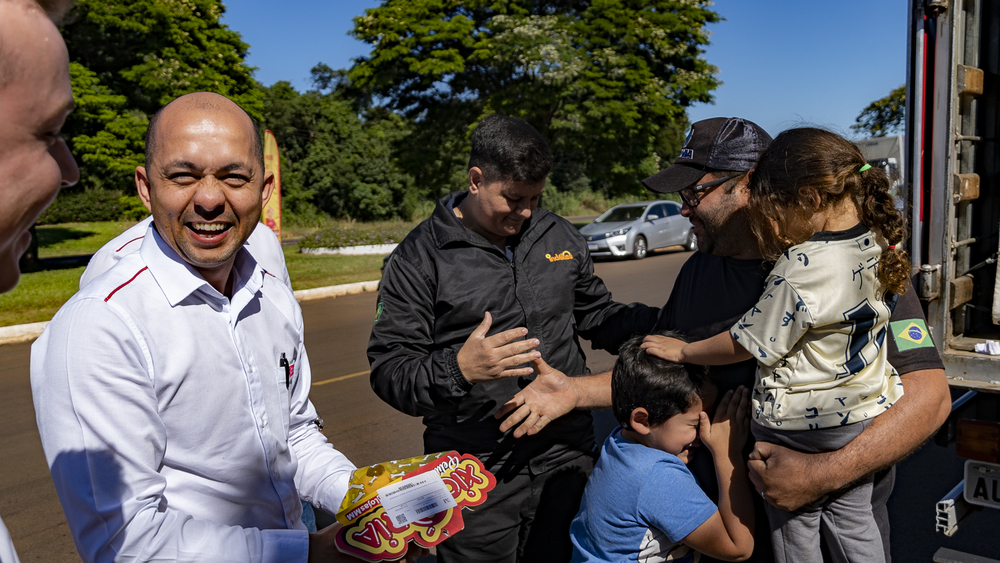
(575, 388)
(592, 391)
(825, 472)
(454, 371)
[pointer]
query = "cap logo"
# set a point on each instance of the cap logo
(688, 139)
(687, 153)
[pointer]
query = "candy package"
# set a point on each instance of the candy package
(419, 499)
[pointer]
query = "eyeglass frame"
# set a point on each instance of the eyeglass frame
(690, 195)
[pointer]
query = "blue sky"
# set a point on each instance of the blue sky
(782, 62)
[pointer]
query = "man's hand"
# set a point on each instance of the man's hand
(790, 479)
(485, 358)
(545, 399)
(786, 478)
(727, 433)
(664, 347)
(323, 548)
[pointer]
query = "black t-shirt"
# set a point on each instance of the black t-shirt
(709, 296)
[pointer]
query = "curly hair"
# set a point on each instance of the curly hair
(804, 162)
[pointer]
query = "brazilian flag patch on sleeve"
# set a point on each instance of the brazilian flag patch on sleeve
(910, 334)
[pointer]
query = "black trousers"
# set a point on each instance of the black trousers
(525, 519)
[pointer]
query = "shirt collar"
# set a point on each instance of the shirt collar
(178, 279)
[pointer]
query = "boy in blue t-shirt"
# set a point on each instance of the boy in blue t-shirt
(641, 502)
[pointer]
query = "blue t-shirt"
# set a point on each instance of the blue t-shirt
(638, 505)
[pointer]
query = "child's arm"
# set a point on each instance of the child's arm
(722, 349)
(727, 534)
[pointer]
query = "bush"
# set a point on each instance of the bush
(563, 203)
(422, 210)
(84, 207)
(590, 202)
(361, 235)
(132, 208)
(303, 215)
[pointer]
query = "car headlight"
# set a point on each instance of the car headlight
(618, 233)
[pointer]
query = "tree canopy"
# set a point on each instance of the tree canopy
(128, 59)
(883, 116)
(606, 81)
(334, 159)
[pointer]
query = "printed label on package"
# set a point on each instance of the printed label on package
(416, 498)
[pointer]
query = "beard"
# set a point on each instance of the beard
(725, 231)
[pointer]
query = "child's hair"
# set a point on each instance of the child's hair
(804, 159)
(663, 388)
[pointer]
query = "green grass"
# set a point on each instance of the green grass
(38, 296)
(309, 271)
(70, 239)
(41, 294)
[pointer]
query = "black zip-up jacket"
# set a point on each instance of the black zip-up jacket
(435, 288)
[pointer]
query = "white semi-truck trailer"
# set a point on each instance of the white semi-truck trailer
(951, 191)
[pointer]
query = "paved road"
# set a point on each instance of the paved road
(368, 431)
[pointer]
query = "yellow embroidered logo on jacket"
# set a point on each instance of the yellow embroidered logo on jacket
(564, 255)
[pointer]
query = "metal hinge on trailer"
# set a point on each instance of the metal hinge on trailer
(929, 282)
(951, 510)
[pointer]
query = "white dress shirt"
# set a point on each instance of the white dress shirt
(166, 421)
(7, 553)
(262, 244)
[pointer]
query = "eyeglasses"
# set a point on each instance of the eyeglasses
(690, 196)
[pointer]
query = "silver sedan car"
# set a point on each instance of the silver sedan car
(633, 229)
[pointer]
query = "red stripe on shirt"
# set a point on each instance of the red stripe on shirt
(144, 268)
(128, 243)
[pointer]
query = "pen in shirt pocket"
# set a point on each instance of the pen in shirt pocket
(283, 362)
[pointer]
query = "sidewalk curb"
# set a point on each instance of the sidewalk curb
(336, 290)
(367, 249)
(21, 333)
(27, 332)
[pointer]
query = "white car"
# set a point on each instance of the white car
(633, 229)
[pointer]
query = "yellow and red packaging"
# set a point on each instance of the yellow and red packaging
(368, 531)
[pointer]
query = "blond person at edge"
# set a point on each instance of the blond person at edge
(169, 432)
(786, 478)
(35, 98)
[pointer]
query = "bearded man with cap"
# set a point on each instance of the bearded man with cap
(715, 287)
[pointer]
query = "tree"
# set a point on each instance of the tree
(335, 159)
(883, 116)
(606, 82)
(106, 136)
(131, 57)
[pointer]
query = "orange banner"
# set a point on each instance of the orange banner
(271, 214)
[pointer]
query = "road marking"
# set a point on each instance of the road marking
(341, 378)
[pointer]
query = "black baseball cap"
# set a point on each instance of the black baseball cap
(720, 143)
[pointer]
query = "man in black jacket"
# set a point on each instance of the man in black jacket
(487, 286)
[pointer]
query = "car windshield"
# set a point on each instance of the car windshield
(618, 214)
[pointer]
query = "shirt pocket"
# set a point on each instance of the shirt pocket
(284, 397)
